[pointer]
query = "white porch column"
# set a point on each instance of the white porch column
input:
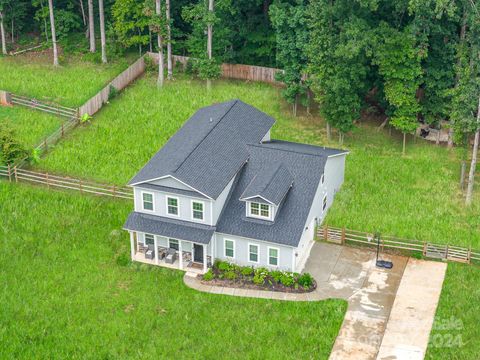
(156, 248)
(180, 260)
(132, 245)
(204, 258)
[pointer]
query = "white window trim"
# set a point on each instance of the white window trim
(143, 203)
(258, 253)
(145, 238)
(225, 248)
(178, 205)
(178, 242)
(259, 216)
(203, 211)
(278, 256)
(324, 201)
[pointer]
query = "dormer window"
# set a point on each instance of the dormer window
(261, 211)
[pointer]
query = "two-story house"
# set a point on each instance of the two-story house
(220, 188)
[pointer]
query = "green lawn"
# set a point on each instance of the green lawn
(30, 126)
(456, 330)
(415, 196)
(69, 291)
(71, 84)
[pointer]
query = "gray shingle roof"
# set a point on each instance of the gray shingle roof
(271, 184)
(210, 148)
(303, 148)
(171, 190)
(306, 166)
(172, 228)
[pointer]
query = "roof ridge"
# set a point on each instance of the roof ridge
(209, 132)
(262, 146)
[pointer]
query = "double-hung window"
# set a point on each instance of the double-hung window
(229, 248)
(260, 210)
(273, 256)
(173, 244)
(149, 239)
(197, 210)
(147, 201)
(253, 253)
(172, 206)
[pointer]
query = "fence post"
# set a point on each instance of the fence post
(80, 186)
(343, 236)
(114, 191)
(446, 253)
(9, 173)
(325, 233)
(424, 248)
(469, 255)
(15, 173)
(46, 177)
(63, 131)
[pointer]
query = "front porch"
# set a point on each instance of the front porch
(170, 253)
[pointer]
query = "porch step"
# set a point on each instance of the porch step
(191, 274)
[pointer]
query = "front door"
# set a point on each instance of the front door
(198, 253)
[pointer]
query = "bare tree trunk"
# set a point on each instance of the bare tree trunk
(462, 174)
(169, 42)
(83, 13)
(2, 31)
(13, 33)
(329, 132)
(102, 31)
(44, 22)
(54, 36)
(158, 10)
(91, 26)
(209, 39)
(404, 143)
(473, 164)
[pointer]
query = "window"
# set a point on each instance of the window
(197, 210)
(149, 239)
(147, 199)
(172, 206)
(260, 210)
(322, 180)
(253, 253)
(173, 244)
(273, 256)
(229, 248)
(324, 202)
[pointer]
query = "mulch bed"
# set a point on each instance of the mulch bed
(241, 284)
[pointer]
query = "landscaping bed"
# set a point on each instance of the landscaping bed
(226, 274)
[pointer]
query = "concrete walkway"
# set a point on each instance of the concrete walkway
(411, 319)
(351, 274)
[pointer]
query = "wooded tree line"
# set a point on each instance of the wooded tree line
(412, 60)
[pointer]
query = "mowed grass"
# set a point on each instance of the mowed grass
(456, 333)
(71, 84)
(30, 126)
(69, 290)
(135, 125)
(415, 196)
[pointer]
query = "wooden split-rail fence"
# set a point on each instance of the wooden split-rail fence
(14, 174)
(345, 236)
(51, 108)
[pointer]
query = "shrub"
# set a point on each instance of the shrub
(260, 276)
(11, 149)
(150, 66)
(247, 271)
(112, 92)
(287, 279)
(207, 69)
(276, 275)
(231, 275)
(305, 280)
(223, 266)
(189, 68)
(123, 259)
(208, 276)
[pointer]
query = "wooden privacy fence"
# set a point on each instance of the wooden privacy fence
(50, 108)
(120, 82)
(235, 71)
(436, 251)
(15, 174)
